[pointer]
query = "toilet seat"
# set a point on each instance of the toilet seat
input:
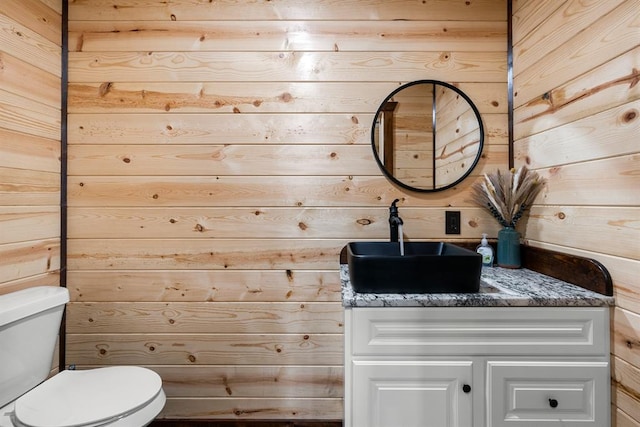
(88, 398)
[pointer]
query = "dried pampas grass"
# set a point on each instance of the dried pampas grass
(507, 195)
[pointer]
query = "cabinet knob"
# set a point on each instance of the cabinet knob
(466, 388)
(553, 403)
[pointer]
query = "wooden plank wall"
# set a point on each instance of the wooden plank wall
(220, 158)
(457, 137)
(30, 100)
(413, 137)
(577, 120)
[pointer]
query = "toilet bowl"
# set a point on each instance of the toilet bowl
(123, 396)
(117, 396)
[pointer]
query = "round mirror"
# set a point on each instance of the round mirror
(427, 135)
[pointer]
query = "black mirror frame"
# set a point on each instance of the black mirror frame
(389, 175)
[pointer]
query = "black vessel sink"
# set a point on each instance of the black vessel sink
(425, 267)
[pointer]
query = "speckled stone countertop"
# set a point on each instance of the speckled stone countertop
(499, 287)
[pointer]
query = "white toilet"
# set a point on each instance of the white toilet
(119, 396)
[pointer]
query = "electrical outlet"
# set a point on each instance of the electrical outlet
(452, 222)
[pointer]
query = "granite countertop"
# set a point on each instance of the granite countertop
(499, 287)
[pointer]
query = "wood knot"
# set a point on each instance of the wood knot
(199, 228)
(364, 221)
(286, 97)
(630, 116)
(191, 358)
(105, 88)
(126, 160)
(561, 215)
(302, 226)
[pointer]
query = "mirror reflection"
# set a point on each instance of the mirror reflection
(427, 135)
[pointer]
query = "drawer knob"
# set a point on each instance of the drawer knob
(466, 388)
(553, 403)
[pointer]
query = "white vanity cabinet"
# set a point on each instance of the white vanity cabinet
(477, 366)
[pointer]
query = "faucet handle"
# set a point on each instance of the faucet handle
(393, 209)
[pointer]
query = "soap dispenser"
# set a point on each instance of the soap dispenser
(486, 251)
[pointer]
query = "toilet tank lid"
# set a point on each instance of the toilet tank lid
(26, 302)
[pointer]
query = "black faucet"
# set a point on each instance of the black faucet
(394, 221)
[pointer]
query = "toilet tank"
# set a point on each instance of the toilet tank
(29, 326)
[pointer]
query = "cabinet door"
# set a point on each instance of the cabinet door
(535, 394)
(412, 393)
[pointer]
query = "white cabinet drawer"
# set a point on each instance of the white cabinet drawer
(534, 394)
(550, 331)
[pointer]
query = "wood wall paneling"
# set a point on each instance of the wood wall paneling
(25, 43)
(30, 106)
(267, 35)
(205, 285)
(217, 168)
(610, 35)
(606, 86)
(220, 158)
(576, 122)
(369, 10)
(43, 17)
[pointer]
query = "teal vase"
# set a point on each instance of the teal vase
(508, 248)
